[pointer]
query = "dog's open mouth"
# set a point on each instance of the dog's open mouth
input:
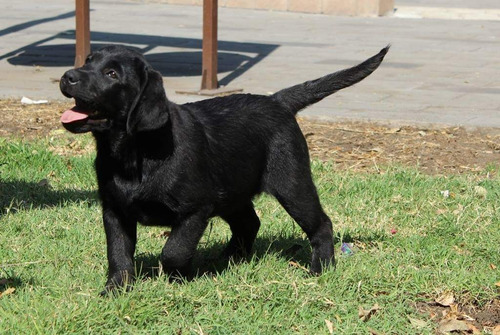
(82, 113)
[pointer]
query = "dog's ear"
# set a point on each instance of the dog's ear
(150, 108)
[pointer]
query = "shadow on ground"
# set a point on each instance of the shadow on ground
(208, 261)
(234, 58)
(20, 195)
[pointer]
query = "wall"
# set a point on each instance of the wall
(332, 7)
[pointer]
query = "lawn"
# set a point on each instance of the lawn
(414, 238)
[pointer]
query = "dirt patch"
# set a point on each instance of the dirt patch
(30, 121)
(463, 319)
(351, 145)
(366, 146)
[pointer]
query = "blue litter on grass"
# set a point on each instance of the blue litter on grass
(346, 249)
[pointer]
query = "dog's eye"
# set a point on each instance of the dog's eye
(112, 74)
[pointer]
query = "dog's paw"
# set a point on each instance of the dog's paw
(178, 274)
(231, 251)
(318, 265)
(113, 290)
(118, 283)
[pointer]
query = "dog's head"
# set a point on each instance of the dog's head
(116, 88)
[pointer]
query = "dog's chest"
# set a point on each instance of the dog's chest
(140, 202)
(150, 213)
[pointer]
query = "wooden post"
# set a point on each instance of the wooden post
(82, 10)
(209, 58)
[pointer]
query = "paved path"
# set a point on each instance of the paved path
(443, 71)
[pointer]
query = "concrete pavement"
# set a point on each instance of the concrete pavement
(440, 71)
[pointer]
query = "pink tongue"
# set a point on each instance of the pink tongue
(72, 115)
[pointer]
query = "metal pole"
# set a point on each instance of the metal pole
(82, 10)
(209, 58)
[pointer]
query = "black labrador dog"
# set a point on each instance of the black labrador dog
(159, 163)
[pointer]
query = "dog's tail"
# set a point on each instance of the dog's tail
(300, 96)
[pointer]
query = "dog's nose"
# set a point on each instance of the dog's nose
(71, 77)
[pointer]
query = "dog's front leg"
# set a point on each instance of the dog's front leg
(181, 244)
(121, 237)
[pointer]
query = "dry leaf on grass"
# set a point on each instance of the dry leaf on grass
(8, 291)
(454, 320)
(164, 234)
(374, 332)
(329, 325)
(297, 265)
(417, 323)
(446, 299)
(480, 192)
(452, 325)
(453, 313)
(473, 329)
(365, 315)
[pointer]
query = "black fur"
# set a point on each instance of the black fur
(159, 163)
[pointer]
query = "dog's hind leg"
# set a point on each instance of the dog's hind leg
(289, 179)
(244, 224)
(302, 203)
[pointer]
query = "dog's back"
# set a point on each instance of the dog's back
(249, 142)
(237, 137)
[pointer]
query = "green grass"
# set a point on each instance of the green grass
(52, 251)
